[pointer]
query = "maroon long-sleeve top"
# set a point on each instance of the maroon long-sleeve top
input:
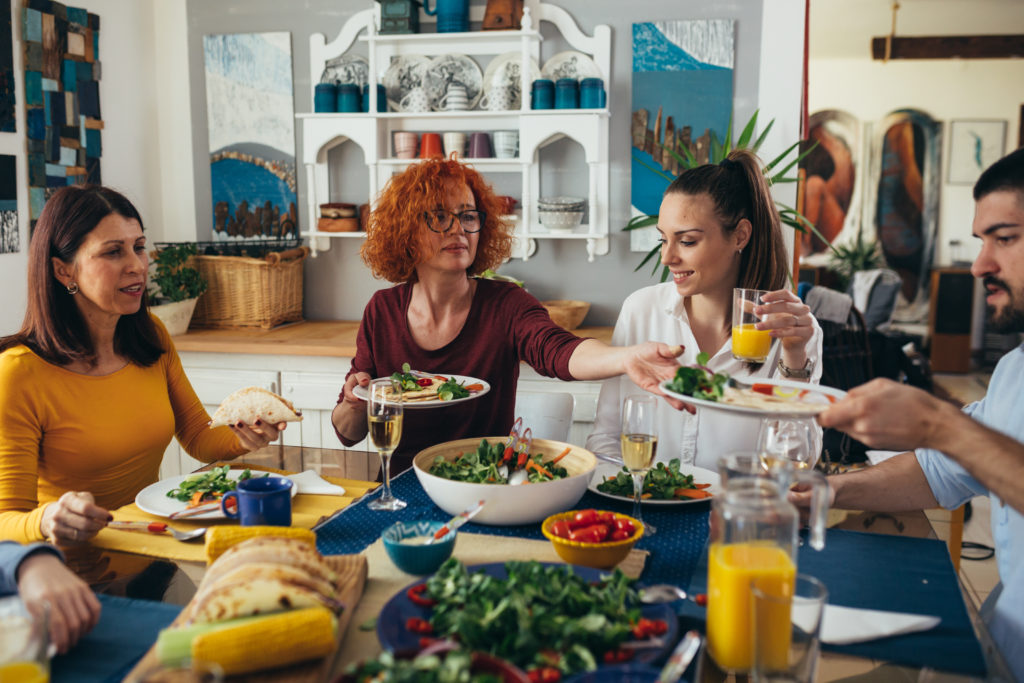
(505, 325)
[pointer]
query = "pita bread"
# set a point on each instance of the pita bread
(424, 394)
(811, 404)
(258, 593)
(270, 550)
(251, 404)
(268, 570)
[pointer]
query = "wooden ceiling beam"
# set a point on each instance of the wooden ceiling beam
(950, 47)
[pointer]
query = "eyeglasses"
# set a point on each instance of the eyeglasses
(442, 221)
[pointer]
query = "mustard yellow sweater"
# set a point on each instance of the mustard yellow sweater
(62, 431)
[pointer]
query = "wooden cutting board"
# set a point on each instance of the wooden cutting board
(351, 570)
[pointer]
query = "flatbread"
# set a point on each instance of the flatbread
(423, 394)
(811, 403)
(257, 593)
(251, 404)
(270, 550)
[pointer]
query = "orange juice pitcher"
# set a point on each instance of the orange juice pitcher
(754, 539)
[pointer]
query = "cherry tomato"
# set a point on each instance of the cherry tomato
(561, 528)
(620, 535)
(417, 625)
(623, 524)
(584, 518)
(606, 517)
(533, 675)
(550, 674)
(595, 533)
(701, 599)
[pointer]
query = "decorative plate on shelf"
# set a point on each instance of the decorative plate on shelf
(405, 73)
(570, 64)
(346, 69)
(504, 70)
(452, 68)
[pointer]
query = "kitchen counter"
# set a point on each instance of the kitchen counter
(310, 338)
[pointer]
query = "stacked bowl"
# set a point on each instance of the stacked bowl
(560, 214)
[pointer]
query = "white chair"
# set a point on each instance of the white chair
(548, 415)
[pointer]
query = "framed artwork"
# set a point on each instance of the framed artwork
(8, 205)
(7, 119)
(832, 191)
(973, 147)
(1020, 131)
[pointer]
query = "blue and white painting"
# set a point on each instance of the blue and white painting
(9, 236)
(251, 119)
(682, 90)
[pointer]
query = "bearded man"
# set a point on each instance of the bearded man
(959, 454)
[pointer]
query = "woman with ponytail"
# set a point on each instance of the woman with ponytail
(719, 229)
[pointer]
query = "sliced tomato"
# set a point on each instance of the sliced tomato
(766, 389)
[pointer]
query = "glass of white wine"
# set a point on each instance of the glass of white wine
(639, 445)
(787, 439)
(384, 413)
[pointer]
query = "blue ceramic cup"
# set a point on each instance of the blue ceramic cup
(382, 97)
(348, 97)
(452, 15)
(266, 501)
(567, 93)
(592, 95)
(325, 97)
(543, 94)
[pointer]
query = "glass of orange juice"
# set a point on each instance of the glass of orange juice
(786, 629)
(748, 343)
(24, 638)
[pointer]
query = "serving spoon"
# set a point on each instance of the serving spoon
(666, 592)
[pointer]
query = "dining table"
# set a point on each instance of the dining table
(895, 572)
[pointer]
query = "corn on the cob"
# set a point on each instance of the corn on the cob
(220, 538)
(272, 641)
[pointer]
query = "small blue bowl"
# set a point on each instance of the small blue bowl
(417, 559)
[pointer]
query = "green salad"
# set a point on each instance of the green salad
(447, 667)
(699, 381)
(660, 483)
(208, 485)
(481, 466)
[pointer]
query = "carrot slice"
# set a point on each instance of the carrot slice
(702, 486)
(560, 455)
(474, 387)
(692, 493)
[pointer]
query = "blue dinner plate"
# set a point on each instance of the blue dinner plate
(620, 673)
(395, 637)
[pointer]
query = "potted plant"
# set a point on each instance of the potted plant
(174, 286)
(854, 256)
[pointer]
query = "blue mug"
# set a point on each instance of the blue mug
(592, 95)
(543, 94)
(452, 15)
(382, 97)
(266, 501)
(567, 93)
(325, 97)
(348, 97)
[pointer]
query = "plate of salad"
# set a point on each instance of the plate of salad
(176, 494)
(699, 385)
(430, 390)
(530, 614)
(664, 484)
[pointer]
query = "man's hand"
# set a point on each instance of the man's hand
(74, 610)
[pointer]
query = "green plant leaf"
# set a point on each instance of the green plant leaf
(771, 164)
(640, 161)
(716, 149)
(760, 139)
(727, 145)
(641, 221)
(748, 132)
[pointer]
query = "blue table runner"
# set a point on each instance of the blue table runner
(872, 571)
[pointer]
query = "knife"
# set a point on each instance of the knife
(152, 527)
(681, 657)
(197, 510)
(457, 521)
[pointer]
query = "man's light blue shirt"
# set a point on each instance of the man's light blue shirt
(1002, 409)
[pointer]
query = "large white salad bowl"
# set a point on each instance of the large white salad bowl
(507, 505)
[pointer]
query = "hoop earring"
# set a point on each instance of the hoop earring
(72, 288)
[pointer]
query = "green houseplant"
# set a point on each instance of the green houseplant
(719, 150)
(854, 256)
(175, 286)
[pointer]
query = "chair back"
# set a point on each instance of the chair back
(548, 415)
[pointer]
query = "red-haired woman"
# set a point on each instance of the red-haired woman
(91, 388)
(436, 226)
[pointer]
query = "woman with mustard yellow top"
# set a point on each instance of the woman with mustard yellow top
(91, 388)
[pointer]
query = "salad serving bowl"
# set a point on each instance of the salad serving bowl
(507, 505)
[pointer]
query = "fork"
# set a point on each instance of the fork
(159, 528)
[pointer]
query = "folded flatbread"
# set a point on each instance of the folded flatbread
(270, 550)
(260, 592)
(271, 570)
(807, 402)
(428, 393)
(254, 403)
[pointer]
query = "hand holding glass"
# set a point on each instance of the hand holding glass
(639, 445)
(748, 343)
(384, 413)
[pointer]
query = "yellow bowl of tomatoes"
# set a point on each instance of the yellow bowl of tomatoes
(592, 538)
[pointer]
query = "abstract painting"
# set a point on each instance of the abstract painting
(251, 119)
(832, 189)
(7, 119)
(973, 147)
(682, 93)
(62, 101)
(9, 241)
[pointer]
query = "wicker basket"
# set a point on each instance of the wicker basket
(251, 292)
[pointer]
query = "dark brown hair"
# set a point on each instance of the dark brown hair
(393, 247)
(53, 327)
(1005, 174)
(738, 189)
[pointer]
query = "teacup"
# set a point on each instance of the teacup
(498, 98)
(455, 99)
(454, 142)
(405, 144)
(415, 100)
(264, 501)
(506, 144)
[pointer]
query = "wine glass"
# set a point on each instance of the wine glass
(384, 413)
(787, 439)
(639, 445)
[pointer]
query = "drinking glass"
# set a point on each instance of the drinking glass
(24, 639)
(639, 445)
(786, 628)
(788, 439)
(748, 344)
(384, 413)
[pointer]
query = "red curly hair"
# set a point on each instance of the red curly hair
(394, 244)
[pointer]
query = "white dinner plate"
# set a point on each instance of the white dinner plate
(453, 68)
(405, 73)
(816, 399)
(363, 393)
(503, 71)
(570, 64)
(153, 499)
(346, 69)
(700, 476)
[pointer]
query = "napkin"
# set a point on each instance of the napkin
(845, 625)
(312, 483)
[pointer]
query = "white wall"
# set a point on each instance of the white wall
(843, 76)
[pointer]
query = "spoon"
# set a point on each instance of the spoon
(159, 528)
(457, 521)
(681, 657)
(666, 592)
